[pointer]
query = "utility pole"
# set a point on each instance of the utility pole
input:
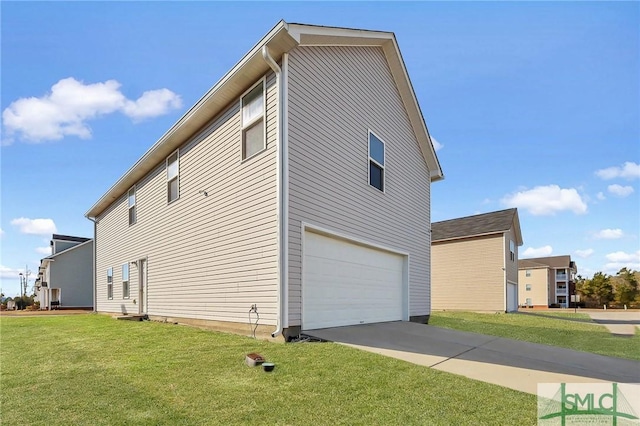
(20, 275)
(24, 283)
(27, 272)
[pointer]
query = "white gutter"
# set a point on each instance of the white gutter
(280, 198)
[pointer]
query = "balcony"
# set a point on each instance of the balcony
(561, 277)
(561, 290)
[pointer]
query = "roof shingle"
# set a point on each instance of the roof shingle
(472, 226)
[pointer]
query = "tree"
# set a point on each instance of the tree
(625, 286)
(598, 289)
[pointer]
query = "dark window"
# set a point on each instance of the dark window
(125, 281)
(376, 162)
(173, 174)
(132, 206)
(376, 176)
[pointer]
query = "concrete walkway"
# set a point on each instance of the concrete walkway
(619, 323)
(505, 362)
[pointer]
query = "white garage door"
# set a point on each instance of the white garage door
(346, 284)
(512, 297)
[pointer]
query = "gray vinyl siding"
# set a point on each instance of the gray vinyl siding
(335, 95)
(72, 272)
(208, 257)
(63, 245)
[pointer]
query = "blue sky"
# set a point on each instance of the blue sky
(535, 105)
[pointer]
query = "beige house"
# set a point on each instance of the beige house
(65, 278)
(474, 264)
(298, 185)
(546, 281)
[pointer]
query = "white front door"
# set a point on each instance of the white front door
(345, 283)
(512, 297)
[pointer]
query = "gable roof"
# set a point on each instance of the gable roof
(281, 39)
(546, 262)
(477, 225)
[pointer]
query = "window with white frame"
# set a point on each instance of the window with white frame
(173, 174)
(512, 250)
(376, 162)
(528, 301)
(527, 287)
(253, 122)
(527, 273)
(125, 281)
(132, 206)
(109, 283)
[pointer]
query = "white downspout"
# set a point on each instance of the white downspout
(281, 208)
(504, 274)
(95, 274)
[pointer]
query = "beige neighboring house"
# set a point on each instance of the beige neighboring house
(474, 263)
(299, 184)
(65, 278)
(547, 281)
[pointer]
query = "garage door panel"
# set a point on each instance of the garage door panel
(346, 283)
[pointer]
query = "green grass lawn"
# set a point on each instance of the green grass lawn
(567, 330)
(94, 370)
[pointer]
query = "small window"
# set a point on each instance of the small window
(109, 283)
(527, 273)
(376, 162)
(528, 301)
(173, 173)
(125, 281)
(512, 250)
(132, 206)
(253, 128)
(527, 287)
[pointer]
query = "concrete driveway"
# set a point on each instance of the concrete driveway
(505, 362)
(618, 322)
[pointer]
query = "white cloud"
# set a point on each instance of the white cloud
(152, 103)
(600, 196)
(71, 103)
(609, 234)
(620, 259)
(1, 232)
(7, 273)
(619, 190)
(620, 256)
(628, 170)
(35, 226)
(436, 145)
(547, 200)
(44, 250)
(538, 252)
(584, 253)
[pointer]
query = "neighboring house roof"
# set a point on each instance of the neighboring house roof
(69, 238)
(549, 262)
(67, 250)
(281, 39)
(477, 225)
